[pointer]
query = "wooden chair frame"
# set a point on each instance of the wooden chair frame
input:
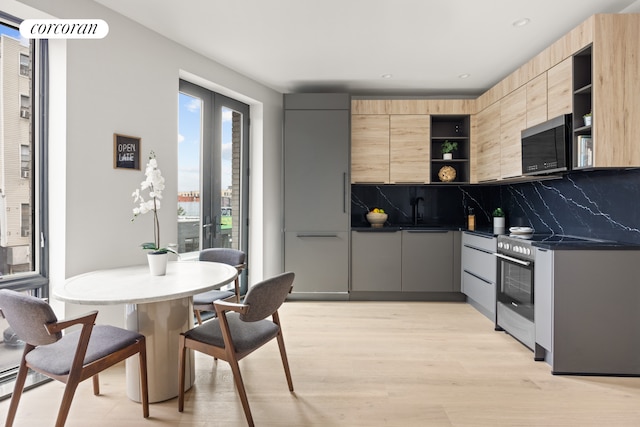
(229, 354)
(78, 371)
(198, 308)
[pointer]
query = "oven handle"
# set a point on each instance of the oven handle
(517, 261)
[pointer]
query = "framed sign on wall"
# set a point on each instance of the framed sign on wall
(126, 152)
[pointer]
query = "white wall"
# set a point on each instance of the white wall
(128, 83)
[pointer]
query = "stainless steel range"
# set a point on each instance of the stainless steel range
(515, 290)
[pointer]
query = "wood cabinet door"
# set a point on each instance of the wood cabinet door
(409, 149)
(616, 104)
(487, 150)
(559, 93)
(537, 100)
(370, 148)
(513, 119)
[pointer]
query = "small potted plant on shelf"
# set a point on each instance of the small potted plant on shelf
(498, 221)
(587, 119)
(448, 148)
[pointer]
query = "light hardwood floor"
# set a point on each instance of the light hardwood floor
(367, 364)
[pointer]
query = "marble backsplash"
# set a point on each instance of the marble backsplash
(598, 204)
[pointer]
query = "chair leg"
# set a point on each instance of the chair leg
(17, 391)
(285, 361)
(241, 390)
(181, 362)
(144, 387)
(67, 398)
(237, 286)
(96, 384)
(198, 317)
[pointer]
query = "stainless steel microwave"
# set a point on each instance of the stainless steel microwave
(546, 148)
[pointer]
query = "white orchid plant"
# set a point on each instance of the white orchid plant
(154, 183)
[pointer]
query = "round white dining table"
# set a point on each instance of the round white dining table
(159, 307)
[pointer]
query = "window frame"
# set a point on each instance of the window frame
(37, 280)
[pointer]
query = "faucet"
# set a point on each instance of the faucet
(416, 209)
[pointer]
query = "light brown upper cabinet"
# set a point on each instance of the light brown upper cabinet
(615, 88)
(409, 149)
(559, 93)
(370, 148)
(513, 120)
(537, 100)
(487, 144)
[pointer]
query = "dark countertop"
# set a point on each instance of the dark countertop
(483, 231)
(407, 227)
(588, 245)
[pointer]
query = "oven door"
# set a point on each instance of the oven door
(515, 284)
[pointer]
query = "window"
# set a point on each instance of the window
(23, 218)
(25, 65)
(25, 106)
(25, 161)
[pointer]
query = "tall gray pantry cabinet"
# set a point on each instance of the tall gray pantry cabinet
(317, 194)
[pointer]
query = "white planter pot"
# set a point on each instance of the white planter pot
(447, 156)
(498, 225)
(587, 121)
(157, 263)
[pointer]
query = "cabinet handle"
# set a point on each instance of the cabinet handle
(378, 230)
(370, 182)
(478, 277)
(344, 192)
(427, 231)
(479, 249)
(478, 235)
(316, 235)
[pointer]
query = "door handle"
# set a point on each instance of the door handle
(517, 261)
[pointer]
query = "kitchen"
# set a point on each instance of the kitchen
(389, 137)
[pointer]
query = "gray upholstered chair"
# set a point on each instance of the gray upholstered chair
(239, 330)
(70, 358)
(204, 301)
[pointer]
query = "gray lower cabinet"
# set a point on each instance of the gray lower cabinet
(408, 261)
(316, 194)
(543, 292)
(479, 272)
(376, 261)
(318, 259)
(586, 310)
(427, 261)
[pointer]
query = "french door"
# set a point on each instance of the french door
(212, 170)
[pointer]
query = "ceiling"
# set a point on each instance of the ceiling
(422, 46)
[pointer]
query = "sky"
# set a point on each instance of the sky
(10, 31)
(189, 135)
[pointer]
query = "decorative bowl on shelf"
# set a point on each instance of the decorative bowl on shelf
(377, 220)
(447, 174)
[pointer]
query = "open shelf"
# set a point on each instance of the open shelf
(582, 104)
(453, 128)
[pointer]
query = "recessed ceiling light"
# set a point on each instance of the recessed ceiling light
(464, 76)
(387, 76)
(521, 22)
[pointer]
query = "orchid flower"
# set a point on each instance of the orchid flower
(154, 183)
